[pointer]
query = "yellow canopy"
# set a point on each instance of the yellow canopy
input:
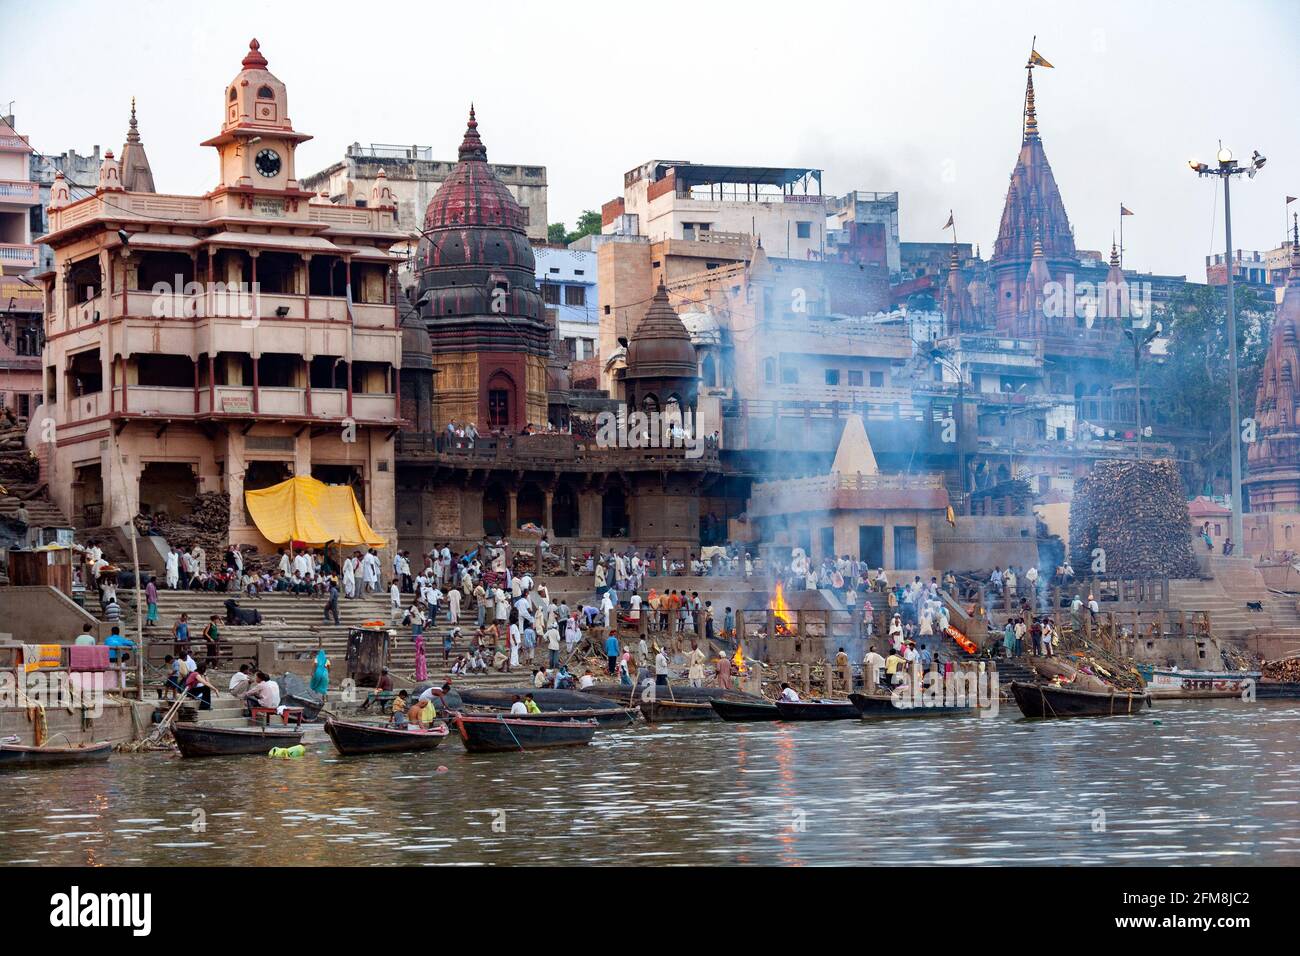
(304, 509)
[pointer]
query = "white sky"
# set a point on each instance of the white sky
(918, 96)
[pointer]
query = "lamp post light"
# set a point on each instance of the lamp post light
(953, 365)
(1226, 166)
(1141, 337)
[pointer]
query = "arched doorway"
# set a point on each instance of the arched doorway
(530, 507)
(496, 510)
(564, 512)
(613, 513)
(500, 402)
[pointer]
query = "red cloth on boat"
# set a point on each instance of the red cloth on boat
(88, 658)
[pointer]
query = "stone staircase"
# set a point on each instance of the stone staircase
(1235, 583)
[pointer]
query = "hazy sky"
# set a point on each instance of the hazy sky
(919, 97)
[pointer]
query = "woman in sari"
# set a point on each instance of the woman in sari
(320, 677)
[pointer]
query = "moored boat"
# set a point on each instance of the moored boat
(1046, 700)
(197, 740)
(744, 710)
(547, 698)
(1199, 684)
(495, 734)
(817, 710)
(605, 717)
(353, 738)
(886, 705)
(673, 711)
(19, 755)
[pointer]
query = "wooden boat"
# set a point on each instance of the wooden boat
(352, 738)
(495, 734)
(673, 711)
(20, 756)
(1046, 700)
(694, 695)
(198, 740)
(745, 710)
(548, 699)
(884, 705)
(605, 717)
(1277, 690)
(1199, 684)
(817, 710)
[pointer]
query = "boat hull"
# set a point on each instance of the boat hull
(606, 718)
(676, 711)
(499, 734)
(744, 711)
(353, 739)
(817, 710)
(195, 740)
(15, 755)
(1042, 701)
(1200, 685)
(547, 698)
(874, 705)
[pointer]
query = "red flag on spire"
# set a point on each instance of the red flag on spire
(1124, 210)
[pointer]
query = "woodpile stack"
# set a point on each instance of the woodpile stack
(207, 525)
(1136, 512)
(1285, 670)
(17, 464)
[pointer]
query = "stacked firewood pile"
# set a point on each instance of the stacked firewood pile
(1284, 670)
(17, 464)
(525, 562)
(1136, 512)
(207, 525)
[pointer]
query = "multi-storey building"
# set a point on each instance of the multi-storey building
(414, 175)
(567, 279)
(221, 342)
(20, 315)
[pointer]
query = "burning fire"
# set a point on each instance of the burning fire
(738, 659)
(780, 610)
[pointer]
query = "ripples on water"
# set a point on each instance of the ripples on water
(1187, 783)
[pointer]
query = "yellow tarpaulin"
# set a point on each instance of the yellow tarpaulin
(304, 509)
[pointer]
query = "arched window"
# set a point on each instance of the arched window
(500, 401)
(709, 372)
(233, 94)
(649, 403)
(265, 93)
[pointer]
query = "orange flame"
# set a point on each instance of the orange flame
(738, 659)
(779, 608)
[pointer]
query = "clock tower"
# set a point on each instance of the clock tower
(257, 139)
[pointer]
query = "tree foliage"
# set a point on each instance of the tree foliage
(1193, 380)
(588, 225)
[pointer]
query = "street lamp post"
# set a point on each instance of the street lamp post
(953, 365)
(1141, 338)
(1227, 167)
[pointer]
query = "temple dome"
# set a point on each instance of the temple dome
(661, 346)
(474, 262)
(472, 195)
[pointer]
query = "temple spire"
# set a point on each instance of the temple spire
(1031, 114)
(471, 147)
(137, 175)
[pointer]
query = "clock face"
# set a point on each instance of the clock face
(267, 163)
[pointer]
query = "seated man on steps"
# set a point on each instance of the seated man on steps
(264, 692)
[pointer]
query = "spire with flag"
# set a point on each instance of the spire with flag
(1123, 211)
(1030, 127)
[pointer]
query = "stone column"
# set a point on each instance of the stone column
(512, 512)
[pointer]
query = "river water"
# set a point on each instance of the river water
(1189, 783)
